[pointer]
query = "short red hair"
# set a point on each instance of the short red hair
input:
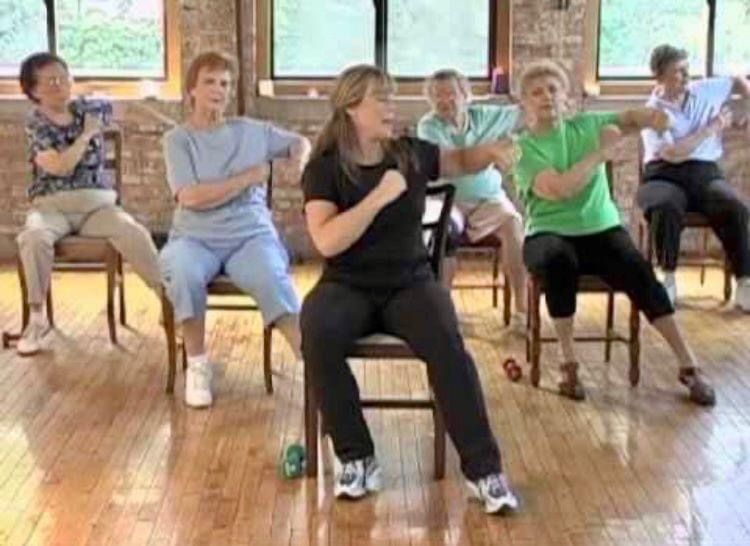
(213, 60)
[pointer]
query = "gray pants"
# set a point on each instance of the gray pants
(89, 213)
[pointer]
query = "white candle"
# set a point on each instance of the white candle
(148, 89)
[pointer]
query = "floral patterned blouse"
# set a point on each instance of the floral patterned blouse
(43, 134)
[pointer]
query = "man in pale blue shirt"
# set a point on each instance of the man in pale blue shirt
(681, 171)
(482, 208)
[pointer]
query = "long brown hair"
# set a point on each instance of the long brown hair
(339, 136)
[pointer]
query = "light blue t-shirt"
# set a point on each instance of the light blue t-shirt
(206, 156)
(702, 103)
(485, 123)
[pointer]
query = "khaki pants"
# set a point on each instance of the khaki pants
(89, 213)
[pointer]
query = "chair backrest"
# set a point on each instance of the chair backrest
(113, 158)
(641, 154)
(269, 186)
(436, 230)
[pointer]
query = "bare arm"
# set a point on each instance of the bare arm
(64, 163)
(741, 86)
(206, 196)
(333, 232)
(636, 119)
(459, 161)
(299, 151)
(682, 148)
(555, 186)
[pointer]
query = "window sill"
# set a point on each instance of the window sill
(316, 88)
(167, 91)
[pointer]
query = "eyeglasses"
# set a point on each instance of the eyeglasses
(56, 81)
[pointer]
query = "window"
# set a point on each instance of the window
(732, 45)
(103, 39)
(23, 30)
(320, 38)
(427, 35)
(409, 38)
(714, 32)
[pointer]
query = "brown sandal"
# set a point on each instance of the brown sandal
(571, 387)
(701, 392)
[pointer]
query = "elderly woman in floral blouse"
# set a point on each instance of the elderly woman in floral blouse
(69, 192)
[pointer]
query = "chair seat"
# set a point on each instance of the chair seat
(696, 219)
(692, 220)
(586, 283)
(592, 283)
(381, 346)
(222, 285)
(490, 241)
(77, 249)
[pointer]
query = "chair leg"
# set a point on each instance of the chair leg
(111, 283)
(439, 442)
(25, 310)
(727, 281)
(704, 251)
(311, 425)
(267, 371)
(634, 345)
(641, 242)
(610, 326)
(50, 307)
(121, 290)
(183, 355)
(527, 338)
(495, 275)
(536, 341)
(169, 331)
(8, 337)
(506, 301)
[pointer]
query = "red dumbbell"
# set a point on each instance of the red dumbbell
(512, 369)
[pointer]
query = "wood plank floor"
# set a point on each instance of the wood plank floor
(92, 451)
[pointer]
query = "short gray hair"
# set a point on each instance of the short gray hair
(664, 55)
(444, 75)
(544, 67)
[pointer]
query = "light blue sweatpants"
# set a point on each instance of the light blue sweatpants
(258, 265)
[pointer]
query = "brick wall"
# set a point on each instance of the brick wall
(539, 31)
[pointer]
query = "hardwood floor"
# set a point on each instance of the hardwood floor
(92, 451)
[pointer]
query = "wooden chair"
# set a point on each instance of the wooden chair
(76, 253)
(587, 284)
(220, 286)
(381, 346)
(693, 220)
(490, 246)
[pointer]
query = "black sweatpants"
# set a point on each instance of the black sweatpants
(334, 315)
(666, 202)
(558, 260)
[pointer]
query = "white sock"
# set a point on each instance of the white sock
(197, 359)
(37, 317)
(669, 278)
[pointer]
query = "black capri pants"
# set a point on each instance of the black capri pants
(558, 260)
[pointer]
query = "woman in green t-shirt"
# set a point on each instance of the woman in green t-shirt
(573, 226)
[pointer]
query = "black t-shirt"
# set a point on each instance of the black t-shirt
(391, 252)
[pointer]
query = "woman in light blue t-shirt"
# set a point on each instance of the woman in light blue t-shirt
(217, 169)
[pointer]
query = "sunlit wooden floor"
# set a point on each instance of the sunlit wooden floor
(93, 452)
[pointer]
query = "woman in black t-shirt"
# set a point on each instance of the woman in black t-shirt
(364, 199)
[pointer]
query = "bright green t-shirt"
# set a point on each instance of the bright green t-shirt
(486, 122)
(591, 210)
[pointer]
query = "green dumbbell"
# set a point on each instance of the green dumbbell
(293, 461)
